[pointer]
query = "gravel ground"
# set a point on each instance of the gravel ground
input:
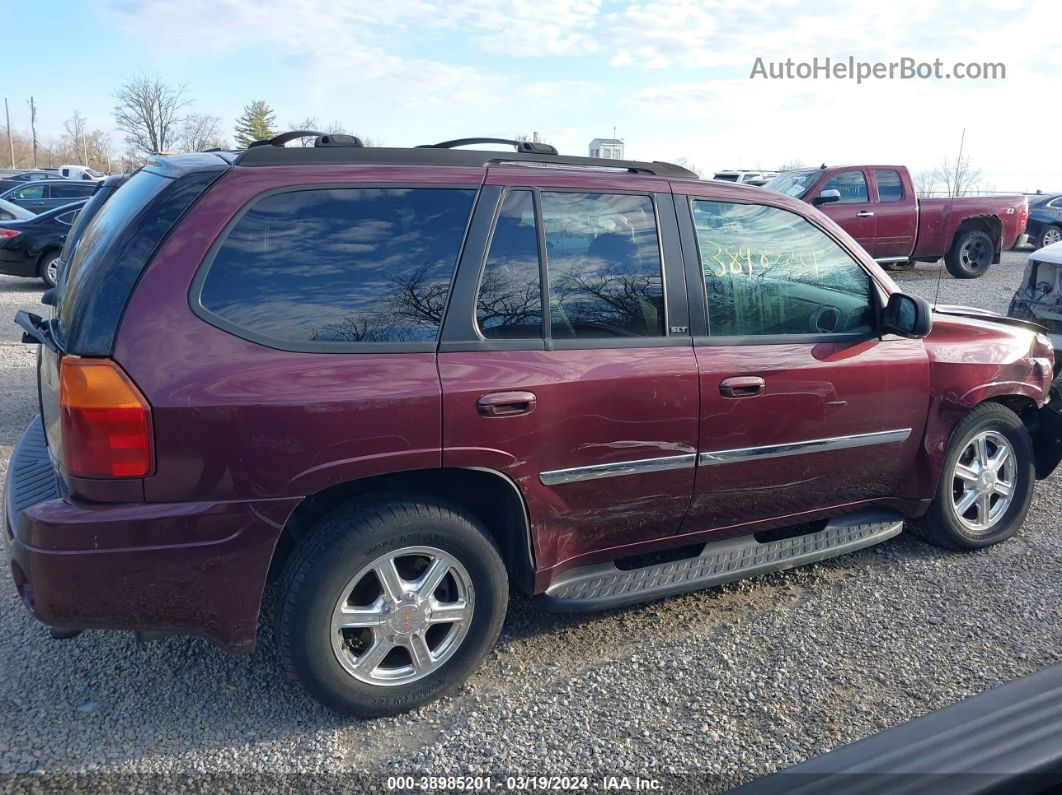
(720, 686)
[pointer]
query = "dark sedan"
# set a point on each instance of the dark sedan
(31, 248)
(27, 176)
(1045, 220)
(45, 194)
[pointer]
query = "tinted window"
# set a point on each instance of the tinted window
(603, 261)
(66, 218)
(74, 190)
(768, 271)
(509, 305)
(852, 186)
(890, 186)
(30, 192)
(341, 265)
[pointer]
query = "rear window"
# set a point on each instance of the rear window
(314, 268)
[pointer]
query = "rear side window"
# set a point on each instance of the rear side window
(334, 266)
(890, 186)
(74, 190)
(509, 305)
(852, 186)
(604, 266)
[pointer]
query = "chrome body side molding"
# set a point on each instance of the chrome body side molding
(800, 448)
(642, 466)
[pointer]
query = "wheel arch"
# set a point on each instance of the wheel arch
(492, 496)
(990, 224)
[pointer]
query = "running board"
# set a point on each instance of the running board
(603, 585)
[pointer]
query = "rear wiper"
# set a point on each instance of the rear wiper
(35, 329)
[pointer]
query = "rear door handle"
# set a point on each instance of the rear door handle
(864, 214)
(506, 404)
(741, 386)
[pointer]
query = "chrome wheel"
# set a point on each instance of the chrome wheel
(51, 271)
(975, 254)
(403, 616)
(983, 481)
(1051, 235)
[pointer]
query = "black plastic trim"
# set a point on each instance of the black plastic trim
(195, 292)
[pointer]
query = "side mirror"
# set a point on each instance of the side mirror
(907, 316)
(828, 196)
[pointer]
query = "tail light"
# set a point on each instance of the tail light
(105, 421)
(7, 234)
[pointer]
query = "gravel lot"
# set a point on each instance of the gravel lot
(723, 685)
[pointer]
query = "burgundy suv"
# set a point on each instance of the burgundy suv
(398, 380)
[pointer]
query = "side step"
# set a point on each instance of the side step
(602, 585)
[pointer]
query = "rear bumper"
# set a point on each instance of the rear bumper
(196, 568)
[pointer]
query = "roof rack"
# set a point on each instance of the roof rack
(348, 150)
(533, 147)
(319, 139)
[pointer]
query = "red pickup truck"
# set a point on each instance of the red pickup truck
(877, 206)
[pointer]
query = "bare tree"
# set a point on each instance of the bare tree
(149, 113)
(201, 131)
(958, 176)
(926, 183)
(685, 162)
(791, 165)
(75, 133)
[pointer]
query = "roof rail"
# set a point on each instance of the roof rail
(353, 154)
(533, 147)
(319, 139)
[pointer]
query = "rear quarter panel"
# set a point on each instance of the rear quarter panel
(939, 219)
(237, 420)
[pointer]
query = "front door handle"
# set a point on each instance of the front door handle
(741, 386)
(864, 214)
(506, 404)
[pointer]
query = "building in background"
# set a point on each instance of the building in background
(610, 148)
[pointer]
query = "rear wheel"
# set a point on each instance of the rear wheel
(970, 254)
(986, 484)
(48, 267)
(1051, 234)
(391, 605)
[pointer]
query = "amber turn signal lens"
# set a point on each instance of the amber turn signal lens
(105, 421)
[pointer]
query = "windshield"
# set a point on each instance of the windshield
(793, 183)
(726, 177)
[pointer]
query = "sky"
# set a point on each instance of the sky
(671, 77)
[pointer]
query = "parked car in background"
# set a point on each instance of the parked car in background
(12, 212)
(599, 385)
(26, 176)
(104, 190)
(745, 177)
(31, 247)
(1045, 220)
(80, 172)
(1039, 298)
(47, 194)
(878, 206)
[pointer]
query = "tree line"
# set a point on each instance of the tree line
(152, 116)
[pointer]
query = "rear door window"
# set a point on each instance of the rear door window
(604, 265)
(74, 190)
(318, 268)
(509, 304)
(890, 186)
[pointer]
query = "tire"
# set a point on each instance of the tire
(942, 525)
(46, 266)
(970, 254)
(333, 563)
(1051, 234)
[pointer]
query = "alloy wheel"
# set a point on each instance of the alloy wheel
(983, 481)
(1051, 235)
(403, 616)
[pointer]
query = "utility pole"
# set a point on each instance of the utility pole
(10, 142)
(33, 129)
(958, 163)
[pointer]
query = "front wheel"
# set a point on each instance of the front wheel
(389, 605)
(986, 484)
(970, 254)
